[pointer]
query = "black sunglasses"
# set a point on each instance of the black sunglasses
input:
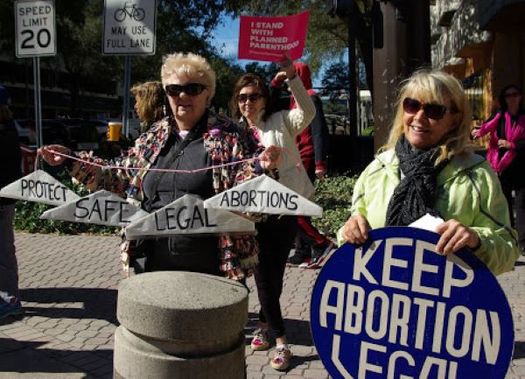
(431, 110)
(253, 97)
(191, 89)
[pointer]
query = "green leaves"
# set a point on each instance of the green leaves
(334, 194)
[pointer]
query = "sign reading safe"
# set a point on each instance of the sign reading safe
(395, 308)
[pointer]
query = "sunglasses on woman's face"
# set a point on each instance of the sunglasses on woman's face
(431, 110)
(253, 97)
(191, 89)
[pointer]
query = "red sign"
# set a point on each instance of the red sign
(268, 38)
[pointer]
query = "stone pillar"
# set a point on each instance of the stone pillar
(180, 325)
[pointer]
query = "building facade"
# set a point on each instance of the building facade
(482, 42)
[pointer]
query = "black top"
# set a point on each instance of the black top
(194, 253)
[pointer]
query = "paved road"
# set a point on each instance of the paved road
(69, 287)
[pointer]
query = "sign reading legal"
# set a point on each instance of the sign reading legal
(39, 187)
(265, 38)
(264, 195)
(102, 208)
(35, 28)
(187, 215)
(393, 307)
(129, 27)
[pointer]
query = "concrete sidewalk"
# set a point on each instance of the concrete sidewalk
(69, 291)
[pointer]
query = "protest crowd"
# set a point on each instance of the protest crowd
(187, 153)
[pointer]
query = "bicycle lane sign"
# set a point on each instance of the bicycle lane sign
(129, 27)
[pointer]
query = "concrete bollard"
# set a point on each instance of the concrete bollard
(176, 324)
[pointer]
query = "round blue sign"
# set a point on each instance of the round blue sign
(394, 308)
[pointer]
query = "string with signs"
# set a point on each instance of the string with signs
(394, 307)
(259, 195)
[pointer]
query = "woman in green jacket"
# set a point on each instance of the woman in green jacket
(427, 167)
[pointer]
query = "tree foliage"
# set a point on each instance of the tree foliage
(182, 25)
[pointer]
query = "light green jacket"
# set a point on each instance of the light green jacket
(467, 190)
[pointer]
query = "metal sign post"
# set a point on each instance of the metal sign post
(35, 37)
(129, 29)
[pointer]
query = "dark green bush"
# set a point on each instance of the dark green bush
(27, 216)
(334, 194)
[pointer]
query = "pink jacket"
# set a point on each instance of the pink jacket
(512, 134)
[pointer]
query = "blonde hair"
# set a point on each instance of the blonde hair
(190, 65)
(434, 86)
(150, 101)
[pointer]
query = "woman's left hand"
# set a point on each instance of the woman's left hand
(455, 236)
(270, 157)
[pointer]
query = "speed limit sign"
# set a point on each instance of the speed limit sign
(35, 28)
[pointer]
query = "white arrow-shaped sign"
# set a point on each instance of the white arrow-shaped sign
(188, 216)
(39, 187)
(102, 208)
(264, 195)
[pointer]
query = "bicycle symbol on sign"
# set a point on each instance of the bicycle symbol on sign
(131, 10)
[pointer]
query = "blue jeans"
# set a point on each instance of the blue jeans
(8, 262)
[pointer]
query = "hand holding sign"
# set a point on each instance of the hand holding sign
(356, 229)
(287, 66)
(48, 154)
(455, 236)
(270, 157)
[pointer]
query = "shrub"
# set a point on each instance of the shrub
(334, 194)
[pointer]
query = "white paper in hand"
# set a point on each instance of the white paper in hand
(427, 222)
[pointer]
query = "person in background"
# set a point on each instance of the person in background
(10, 155)
(150, 103)
(251, 103)
(506, 152)
(427, 167)
(311, 247)
(190, 138)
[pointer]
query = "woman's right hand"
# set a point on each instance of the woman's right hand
(355, 230)
(51, 158)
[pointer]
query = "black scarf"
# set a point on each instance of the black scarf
(415, 195)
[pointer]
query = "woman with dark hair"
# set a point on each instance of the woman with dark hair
(251, 103)
(506, 153)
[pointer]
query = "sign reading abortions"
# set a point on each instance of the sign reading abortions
(102, 208)
(39, 187)
(129, 27)
(187, 215)
(264, 195)
(394, 308)
(268, 38)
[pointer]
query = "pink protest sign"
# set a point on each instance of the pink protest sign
(268, 38)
